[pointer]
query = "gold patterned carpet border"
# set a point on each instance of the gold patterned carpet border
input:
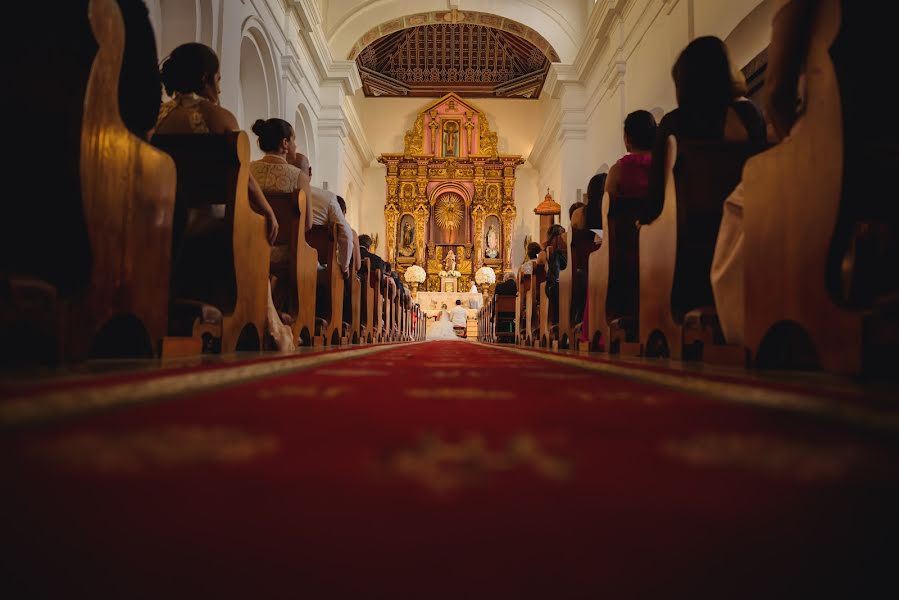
(747, 392)
(61, 403)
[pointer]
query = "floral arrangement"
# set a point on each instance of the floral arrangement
(485, 275)
(415, 274)
(455, 274)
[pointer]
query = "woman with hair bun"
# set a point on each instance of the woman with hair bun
(191, 76)
(280, 171)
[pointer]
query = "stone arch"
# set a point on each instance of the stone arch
(449, 186)
(178, 21)
(305, 132)
(205, 23)
(258, 80)
(353, 31)
(466, 17)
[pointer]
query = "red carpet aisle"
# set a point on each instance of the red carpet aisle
(448, 470)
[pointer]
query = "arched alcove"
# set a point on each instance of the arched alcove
(255, 98)
(179, 24)
(258, 98)
(204, 16)
(305, 133)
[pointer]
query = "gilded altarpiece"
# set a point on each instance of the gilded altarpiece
(450, 190)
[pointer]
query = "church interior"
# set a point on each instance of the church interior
(451, 298)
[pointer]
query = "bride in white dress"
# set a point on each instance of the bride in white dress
(443, 328)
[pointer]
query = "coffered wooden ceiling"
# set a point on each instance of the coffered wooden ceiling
(470, 59)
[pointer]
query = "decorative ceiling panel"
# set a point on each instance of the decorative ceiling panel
(472, 59)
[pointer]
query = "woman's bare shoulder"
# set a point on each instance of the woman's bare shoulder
(218, 119)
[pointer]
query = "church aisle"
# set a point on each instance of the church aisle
(448, 470)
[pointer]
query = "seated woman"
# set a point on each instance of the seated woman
(277, 173)
(191, 77)
(554, 258)
(711, 107)
(527, 267)
(628, 188)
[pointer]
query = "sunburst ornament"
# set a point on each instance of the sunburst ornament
(448, 211)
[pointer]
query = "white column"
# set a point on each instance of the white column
(332, 138)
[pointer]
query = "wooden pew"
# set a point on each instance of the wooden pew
(521, 308)
(355, 335)
(376, 285)
(614, 280)
(329, 286)
(85, 264)
(366, 302)
(560, 334)
(538, 278)
(502, 314)
(792, 208)
(213, 170)
(290, 210)
(389, 314)
(544, 327)
(676, 249)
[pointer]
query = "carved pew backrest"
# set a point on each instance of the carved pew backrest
(705, 173)
(213, 175)
(329, 288)
(290, 210)
(106, 222)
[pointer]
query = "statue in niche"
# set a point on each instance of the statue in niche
(407, 239)
(468, 127)
(492, 248)
(451, 139)
(450, 262)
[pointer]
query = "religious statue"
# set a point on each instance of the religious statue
(450, 261)
(407, 240)
(492, 249)
(451, 139)
(469, 125)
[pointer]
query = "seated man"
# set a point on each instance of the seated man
(508, 287)
(326, 211)
(459, 317)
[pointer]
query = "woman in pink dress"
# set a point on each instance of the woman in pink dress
(628, 186)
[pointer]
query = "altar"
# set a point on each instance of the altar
(450, 205)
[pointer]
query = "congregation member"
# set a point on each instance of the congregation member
(326, 211)
(507, 287)
(527, 266)
(365, 243)
(709, 109)
(554, 258)
(276, 173)
(192, 79)
(355, 267)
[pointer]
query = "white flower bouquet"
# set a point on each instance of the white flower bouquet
(485, 275)
(415, 274)
(455, 274)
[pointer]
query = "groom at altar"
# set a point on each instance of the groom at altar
(458, 316)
